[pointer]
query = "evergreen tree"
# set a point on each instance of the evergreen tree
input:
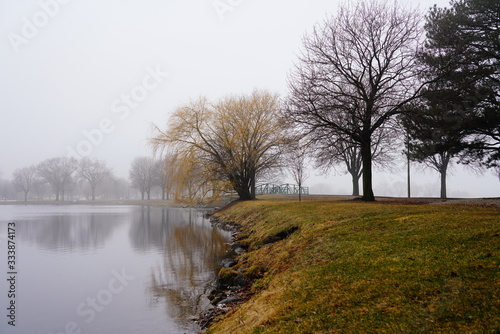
(462, 55)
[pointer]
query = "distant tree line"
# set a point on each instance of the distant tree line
(146, 173)
(64, 178)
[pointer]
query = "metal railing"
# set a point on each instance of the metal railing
(284, 189)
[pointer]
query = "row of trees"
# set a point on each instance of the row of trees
(88, 178)
(146, 173)
(60, 175)
(56, 178)
(366, 82)
(458, 113)
(91, 179)
(367, 73)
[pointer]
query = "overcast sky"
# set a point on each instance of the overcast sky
(88, 78)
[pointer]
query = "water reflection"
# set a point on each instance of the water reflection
(66, 254)
(69, 233)
(192, 250)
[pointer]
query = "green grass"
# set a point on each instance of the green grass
(355, 267)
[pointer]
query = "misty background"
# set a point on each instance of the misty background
(89, 78)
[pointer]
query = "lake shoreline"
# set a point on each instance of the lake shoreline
(487, 201)
(231, 287)
(344, 265)
(153, 202)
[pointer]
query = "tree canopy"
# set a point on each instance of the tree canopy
(142, 175)
(458, 114)
(357, 70)
(463, 53)
(231, 141)
(94, 172)
(58, 173)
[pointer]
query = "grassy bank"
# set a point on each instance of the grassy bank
(354, 267)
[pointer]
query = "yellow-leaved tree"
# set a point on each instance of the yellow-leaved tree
(228, 144)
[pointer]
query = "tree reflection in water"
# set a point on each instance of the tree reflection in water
(69, 232)
(192, 250)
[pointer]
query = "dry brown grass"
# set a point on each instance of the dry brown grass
(355, 267)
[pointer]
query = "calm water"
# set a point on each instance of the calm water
(106, 269)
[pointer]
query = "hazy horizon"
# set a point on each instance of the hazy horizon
(90, 78)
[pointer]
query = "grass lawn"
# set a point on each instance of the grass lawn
(355, 267)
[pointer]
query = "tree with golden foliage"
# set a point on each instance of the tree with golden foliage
(227, 143)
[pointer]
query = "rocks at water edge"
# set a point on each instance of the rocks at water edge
(232, 286)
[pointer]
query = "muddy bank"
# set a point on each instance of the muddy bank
(233, 284)
(236, 275)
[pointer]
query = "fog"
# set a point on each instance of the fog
(89, 78)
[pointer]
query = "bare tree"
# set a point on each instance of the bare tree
(332, 151)
(142, 175)
(94, 172)
(356, 72)
(39, 187)
(163, 169)
(231, 141)
(57, 173)
(329, 155)
(296, 162)
(23, 179)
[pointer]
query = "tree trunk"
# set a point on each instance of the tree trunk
(245, 195)
(93, 193)
(25, 196)
(409, 178)
(443, 181)
(243, 188)
(366, 156)
(142, 195)
(408, 161)
(299, 184)
(355, 184)
(252, 186)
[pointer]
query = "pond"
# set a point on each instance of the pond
(105, 269)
